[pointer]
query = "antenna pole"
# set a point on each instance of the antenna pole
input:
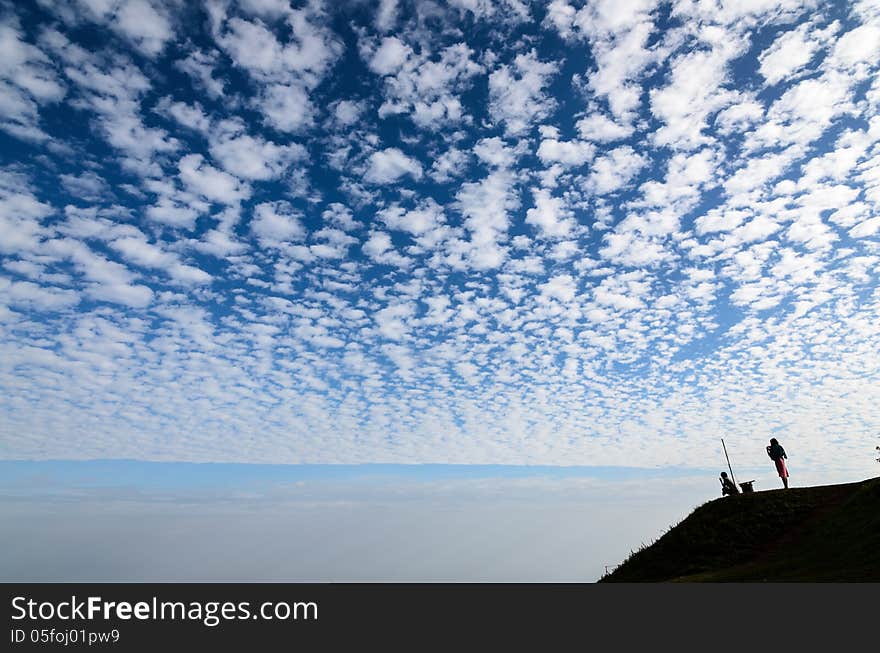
(728, 461)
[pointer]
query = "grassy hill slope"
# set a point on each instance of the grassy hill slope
(827, 533)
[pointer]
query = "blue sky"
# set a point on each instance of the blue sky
(600, 234)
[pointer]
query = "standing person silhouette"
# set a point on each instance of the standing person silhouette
(777, 454)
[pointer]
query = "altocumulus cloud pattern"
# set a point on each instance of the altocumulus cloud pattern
(595, 233)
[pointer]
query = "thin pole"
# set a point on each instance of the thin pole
(728, 461)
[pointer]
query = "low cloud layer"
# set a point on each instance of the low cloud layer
(118, 521)
(492, 529)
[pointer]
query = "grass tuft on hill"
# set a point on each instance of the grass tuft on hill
(826, 533)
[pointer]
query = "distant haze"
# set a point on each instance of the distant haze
(169, 523)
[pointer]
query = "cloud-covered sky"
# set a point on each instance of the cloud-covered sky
(600, 233)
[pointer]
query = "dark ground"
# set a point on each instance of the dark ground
(827, 533)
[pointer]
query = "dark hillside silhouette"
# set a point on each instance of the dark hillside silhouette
(826, 533)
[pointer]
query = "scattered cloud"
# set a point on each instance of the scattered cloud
(390, 164)
(576, 232)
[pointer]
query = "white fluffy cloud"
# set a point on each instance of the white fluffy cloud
(618, 34)
(788, 54)
(31, 295)
(516, 92)
(561, 287)
(601, 129)
(615, 169)
(253, 158)
(390, 56)
(549, 215)
(695, 90)
(380, 249)
(142, 22)
(416, 221)
(275, 223)
(140, 252)
(287, 107)
(486, 206)
(146, 24)
(28, 81)
(568, 153)
(389, 165)
(209, 182)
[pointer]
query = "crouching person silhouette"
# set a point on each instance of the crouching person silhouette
(727, 486)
